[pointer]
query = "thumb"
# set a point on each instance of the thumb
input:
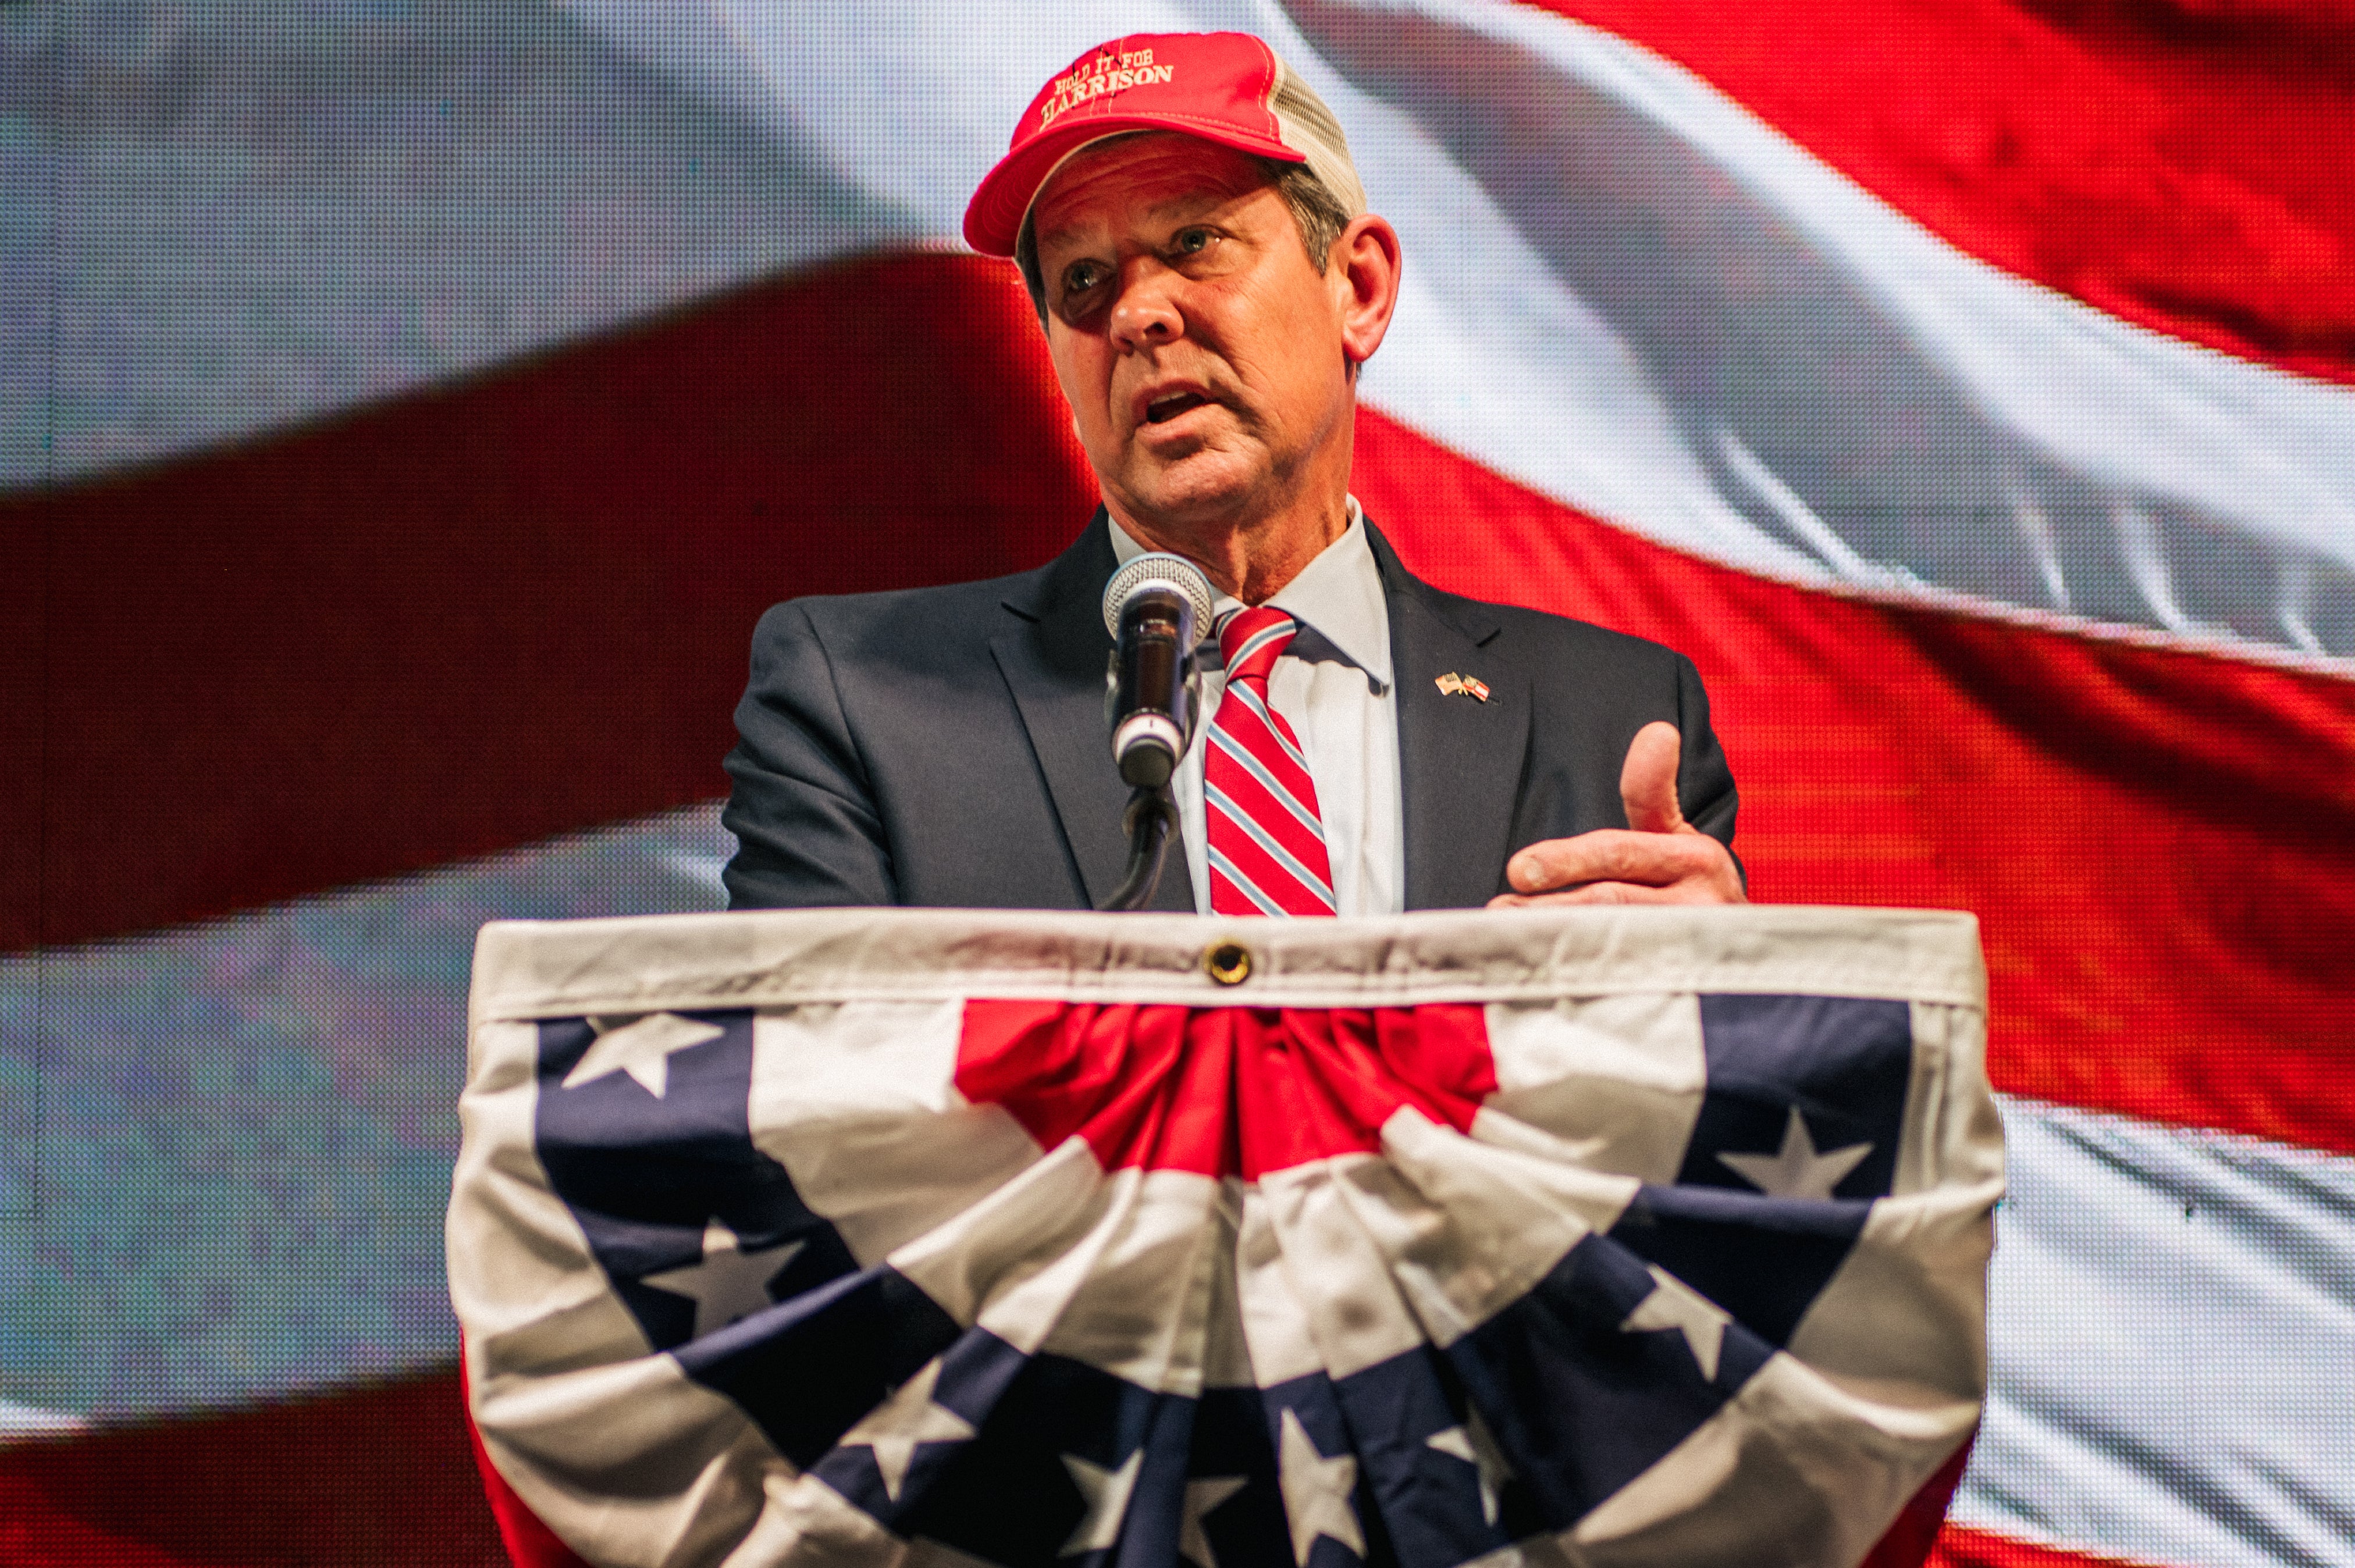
(1647, 782)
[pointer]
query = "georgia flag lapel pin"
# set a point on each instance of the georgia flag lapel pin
(1454, 685)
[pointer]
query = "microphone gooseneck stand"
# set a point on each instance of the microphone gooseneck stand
(1150, 814)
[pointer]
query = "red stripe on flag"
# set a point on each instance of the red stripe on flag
(32, 1534)
(1960, 1547)
(500, 611)
(2180, 164)
(2160, 844)
(369, 1477)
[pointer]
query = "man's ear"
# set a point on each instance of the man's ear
(1364, 272)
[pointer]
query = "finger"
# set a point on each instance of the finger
(1647, 780)
(1608, 855)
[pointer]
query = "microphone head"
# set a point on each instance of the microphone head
(1173, 572)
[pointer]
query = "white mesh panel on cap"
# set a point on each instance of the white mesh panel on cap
(1308, 127)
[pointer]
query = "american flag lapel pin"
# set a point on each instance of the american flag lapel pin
(1453, 684)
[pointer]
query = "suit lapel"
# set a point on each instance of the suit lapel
(1460, 759)
(1052, 656)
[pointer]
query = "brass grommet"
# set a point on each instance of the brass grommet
(1228, 963)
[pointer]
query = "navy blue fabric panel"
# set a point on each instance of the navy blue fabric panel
(1155, 1512)
(1430, 1499)
(975, 1374)
(809, 1368)
(1762, 1259)
(1580, 1405)
(643, 1176)
(1234, 1464)
(1008, 1493)
(1842, 1062)
(1316, 1403)
(1009, 1497)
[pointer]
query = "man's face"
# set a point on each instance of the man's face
(1199, 347)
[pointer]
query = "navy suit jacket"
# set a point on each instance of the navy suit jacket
(946, 745)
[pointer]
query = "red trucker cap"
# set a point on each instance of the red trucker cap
(1221, 87)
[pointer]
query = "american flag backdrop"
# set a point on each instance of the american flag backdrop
(406, 405)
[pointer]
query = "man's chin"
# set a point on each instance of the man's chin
(1203, 487)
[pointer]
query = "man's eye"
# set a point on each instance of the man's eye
(1081, 276)
(1192, 241)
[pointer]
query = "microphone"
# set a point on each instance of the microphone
(1157, 607)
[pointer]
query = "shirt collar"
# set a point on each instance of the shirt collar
(1339, 596)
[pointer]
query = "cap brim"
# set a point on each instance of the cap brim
(993, 219)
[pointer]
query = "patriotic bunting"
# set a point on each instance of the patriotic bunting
(1656, 1236)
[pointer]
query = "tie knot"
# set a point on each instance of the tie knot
(1251, 641)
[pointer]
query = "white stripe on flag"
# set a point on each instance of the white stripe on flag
(266, 1011)
(2172, 1321)
(2065, 461)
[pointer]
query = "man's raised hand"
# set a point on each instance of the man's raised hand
(1658, 858)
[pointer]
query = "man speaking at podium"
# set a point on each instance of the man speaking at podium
(1186, 217)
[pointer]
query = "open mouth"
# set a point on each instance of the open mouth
(1161, 410)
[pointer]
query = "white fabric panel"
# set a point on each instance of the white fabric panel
(1620, 1077)
(1947, 1138)
(1228, 1339)
(1499, 1219)
(804, 1520)
(1904, 1321)
(1007, 1262)
(1325, 1217)
(859, 1103)
(2173, 1334)
(1275, 1324)
(1154, 1286)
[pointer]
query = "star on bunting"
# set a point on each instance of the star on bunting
(730, 1283)
(1796, 1170)
(1317, 1491)
(641, 1049)
(1203, 1496)
(1475, 1445)
(1107, 1494)
(893, 1428)
(1673, 1304)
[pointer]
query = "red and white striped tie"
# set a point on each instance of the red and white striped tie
(1265, 837)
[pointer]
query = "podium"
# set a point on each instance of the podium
(1593, 1237)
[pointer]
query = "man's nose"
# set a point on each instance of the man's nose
(1146, 312)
